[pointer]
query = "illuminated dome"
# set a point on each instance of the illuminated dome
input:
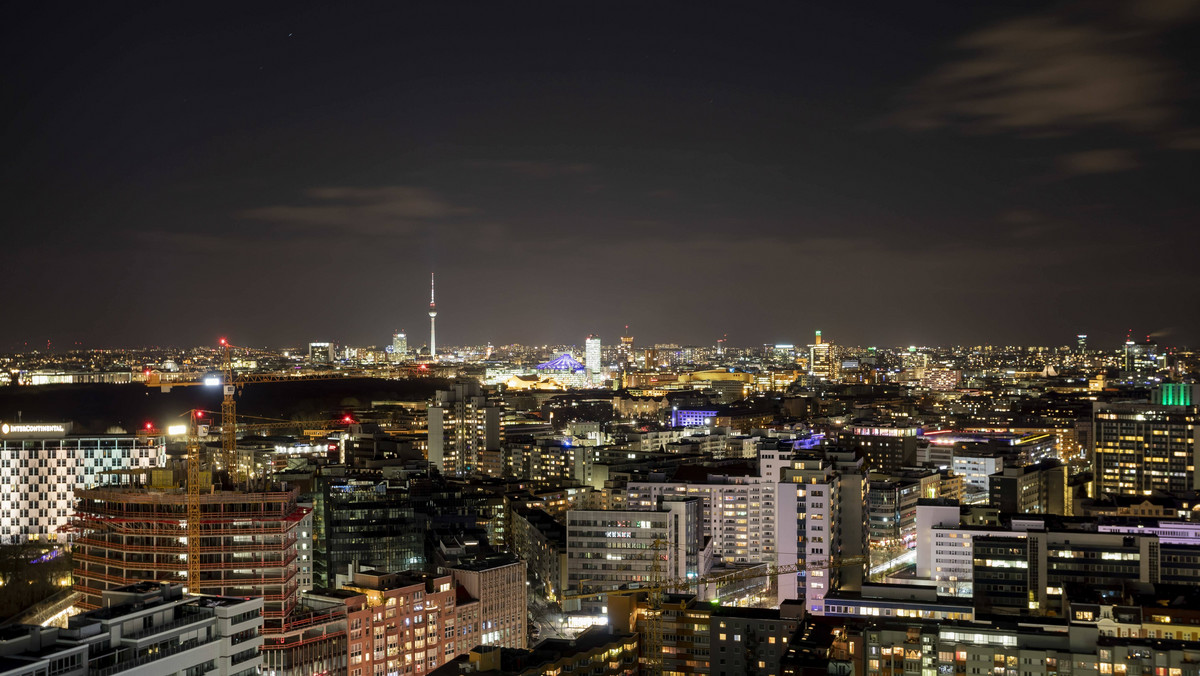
(564, 364)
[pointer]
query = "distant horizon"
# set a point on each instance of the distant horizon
(444, 348)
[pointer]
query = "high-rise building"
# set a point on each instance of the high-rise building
(610, 548)
(41, 464)
(1146, 447)
(747, 519)
(592, 359)
(464, 424)
(887, 449)
(367, 519)
(1081, 343)
(831, 494)
(625, 355)
(407, 622)
(499, 582)
(820, 359)
(137, 531)
(432, 322)
(1032, 489)
(321, 353)
(400, 347)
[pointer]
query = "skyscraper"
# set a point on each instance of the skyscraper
(820, 359)
(591, 356)
(399, 347)
(1081, 343)
(432, 321)
(1146, 447)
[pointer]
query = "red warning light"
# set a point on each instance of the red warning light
(222, 341)
(149, 426)
(347, 419)
(199, 414)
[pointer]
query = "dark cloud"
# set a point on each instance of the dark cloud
(397, 209)
(1097, 162)
(1055, 73)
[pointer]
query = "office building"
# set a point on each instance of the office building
(748, 519)
(610, 548)
(464, 426)
(137, 532)
(321, 353)
(499, 583)
(400, 347)
(821, 358)
(1143, 447)
(41, 464)
(1032, 489)
(887, 448)
(594, 361)
(366, 519)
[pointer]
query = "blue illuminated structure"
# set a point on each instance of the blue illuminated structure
(692, 418)
(563, 364)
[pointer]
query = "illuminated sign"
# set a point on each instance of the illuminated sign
(34, 428)
(176, 430)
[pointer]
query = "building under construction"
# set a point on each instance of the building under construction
(135, 528)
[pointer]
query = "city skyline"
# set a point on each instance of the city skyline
(891, 174)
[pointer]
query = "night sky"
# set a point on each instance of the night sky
(896, 173)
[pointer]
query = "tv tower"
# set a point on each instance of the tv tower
(432, 321)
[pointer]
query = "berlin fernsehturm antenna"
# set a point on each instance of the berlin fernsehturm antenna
(432, 321)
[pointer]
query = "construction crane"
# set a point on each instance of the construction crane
(232, 382)
(651, 633)
(193, 501)
(231, 462)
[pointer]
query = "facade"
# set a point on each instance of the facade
(541, 542)
(610, 548)
(399, 347)
(41, 464)
(403, 623)
(498, 582)
(565, 370)
(594, 361)
(914, 648)
(145, 629)
(1141, 448)
(321, 353)
(249, 544)
(887, 449)
(750, 520)
(831, 513)
(750, 641)
(464, 428)
(365, 519)
(1033, 489)
(821, 360)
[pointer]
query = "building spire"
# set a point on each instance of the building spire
(432, 320)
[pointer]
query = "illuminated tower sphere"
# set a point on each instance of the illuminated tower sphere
(432, 322)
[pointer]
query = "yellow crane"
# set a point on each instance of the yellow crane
(651, 633)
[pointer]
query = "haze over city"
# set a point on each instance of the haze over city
(892, 174)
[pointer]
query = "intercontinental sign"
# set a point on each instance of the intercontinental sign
(34, 429)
